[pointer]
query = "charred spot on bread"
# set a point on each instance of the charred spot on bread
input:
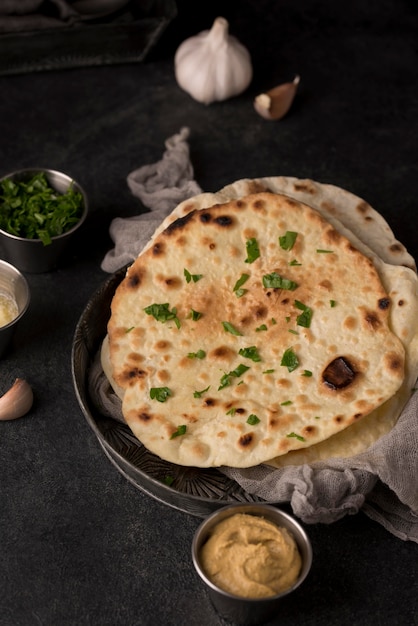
(339, 373)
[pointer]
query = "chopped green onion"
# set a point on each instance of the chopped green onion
(253, 419)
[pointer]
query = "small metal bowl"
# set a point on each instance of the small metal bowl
(31, 255)
(13, 285)
(237, 609)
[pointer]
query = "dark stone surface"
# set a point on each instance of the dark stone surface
(79, 544)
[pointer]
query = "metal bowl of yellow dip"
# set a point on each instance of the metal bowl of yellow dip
(250, 556)
(14, 301)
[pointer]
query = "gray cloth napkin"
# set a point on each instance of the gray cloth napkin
(160, 187)
(382, 482)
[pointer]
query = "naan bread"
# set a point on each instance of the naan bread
(349, 360)
(340, 207)
(370, 233)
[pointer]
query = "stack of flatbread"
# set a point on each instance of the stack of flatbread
(272, 322)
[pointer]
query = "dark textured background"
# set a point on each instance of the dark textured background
(79, 544)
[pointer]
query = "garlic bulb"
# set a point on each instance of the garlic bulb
(213, 65)
(17, 401)
(275, 103)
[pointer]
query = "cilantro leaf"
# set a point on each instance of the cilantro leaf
(160, 393)
(290, 360)
(198, 394)
(200, 354)
(287, 241)
(250, 353)
(305, 318)
(253, 251)
(236, 373)
(298, 437)
(191, 277)
(231, 329)
(275, 281)
(162, 313)
(237, 287)
(181, 430)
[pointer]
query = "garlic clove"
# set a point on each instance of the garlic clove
(275, 103)
(17, 401)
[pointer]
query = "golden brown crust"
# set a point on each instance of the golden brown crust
(350, 361)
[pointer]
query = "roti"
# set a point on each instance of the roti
(255, 328)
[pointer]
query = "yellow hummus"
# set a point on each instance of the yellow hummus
(251, 557)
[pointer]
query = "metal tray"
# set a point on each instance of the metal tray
(126, 37)
(192, 490)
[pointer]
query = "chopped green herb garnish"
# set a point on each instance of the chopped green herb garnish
(162, 313)
(168, 480)
(253, 419)
(195, 315)
(192, 277)
(200, 354)
(237, 287)
(317, 417)
(231, 329)
(250, 353)
(307, 373)
(262, 327)
(286, 403)
(287, 241)
(160, 393)
(231, 411)
(32, 209)
(273, 321)
(253, 251)
(305, 318)
(275, 281)
(298, 437)
(332, 303)
(236, 373)
(128, 330)
(181, 430)
(289, 360)
(269, 371)
(198, 394)
(294, 332)
(295, 263)
(324, 251)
